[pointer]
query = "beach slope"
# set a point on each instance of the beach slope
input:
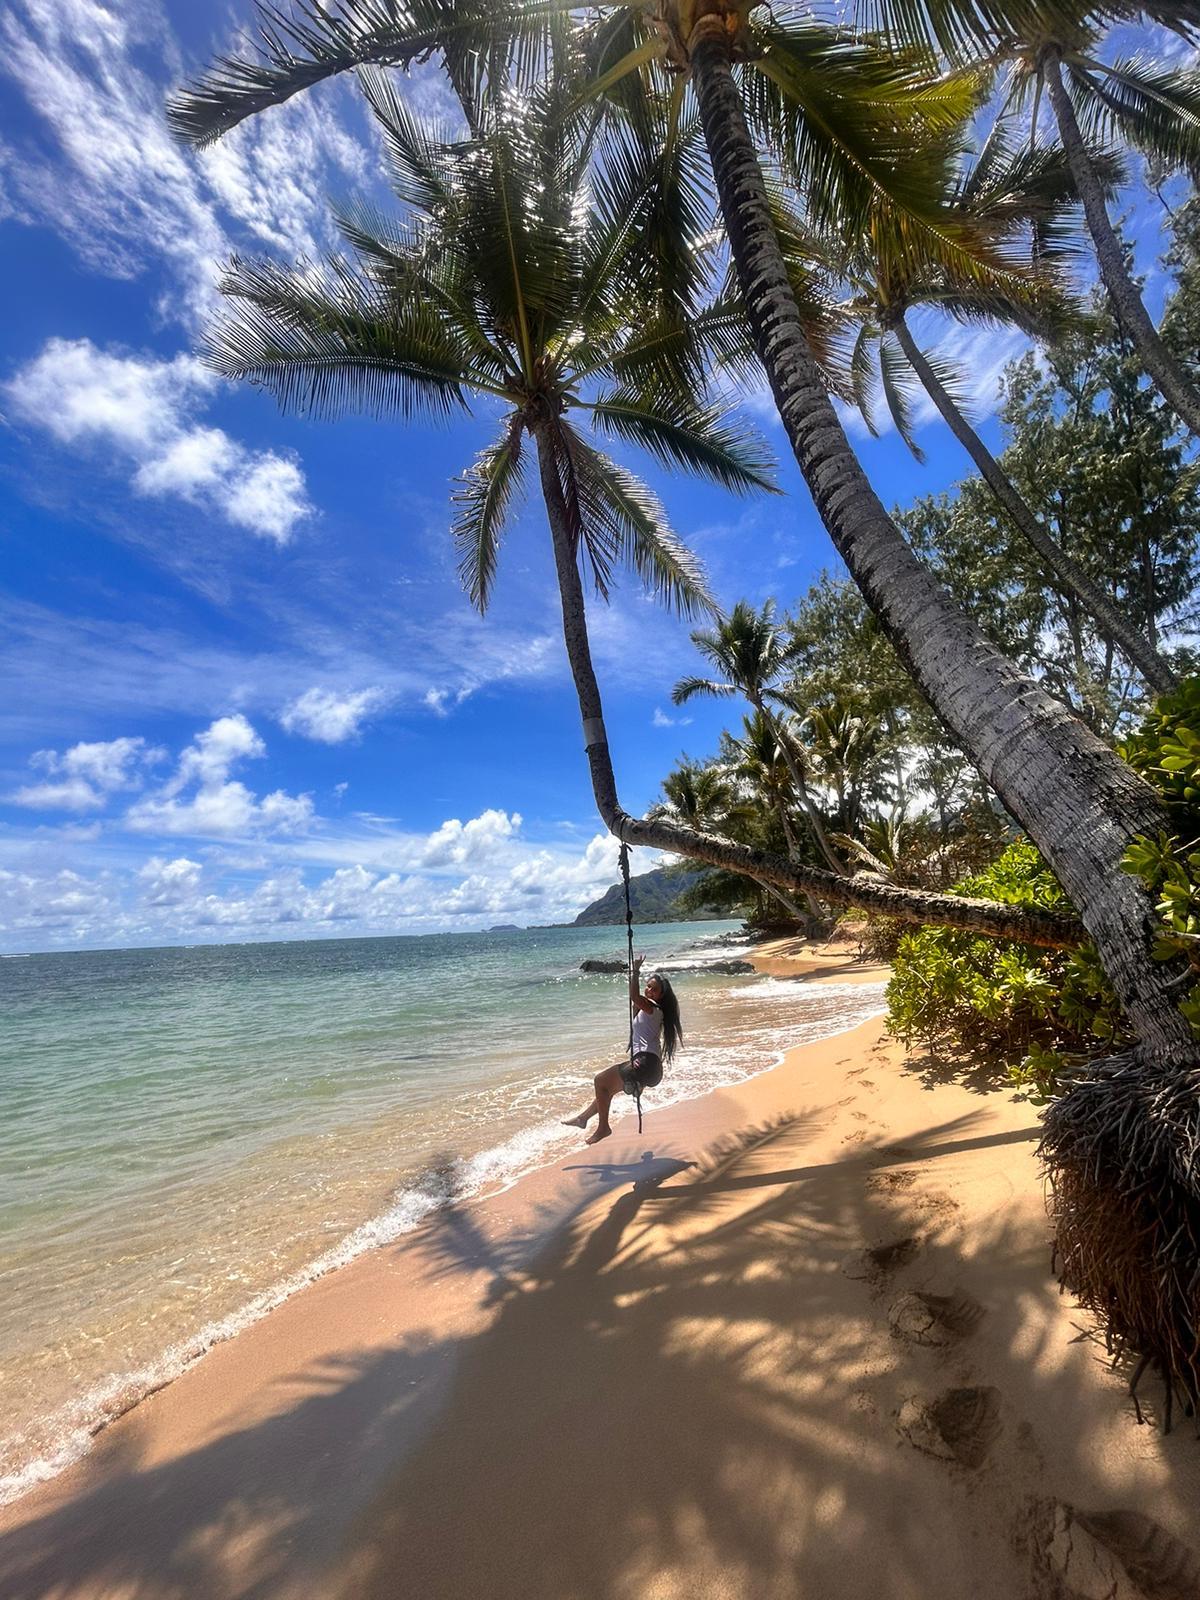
(799, 1340)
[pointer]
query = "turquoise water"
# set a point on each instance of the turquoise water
(189, 1135)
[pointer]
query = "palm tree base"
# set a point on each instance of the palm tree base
(1119, 1151)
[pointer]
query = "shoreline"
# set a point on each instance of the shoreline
(419, 1202)
(716, 1312)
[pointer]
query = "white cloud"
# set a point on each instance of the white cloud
(83, 777)
(661, 720)
(169, 883)
(458, 842)
(143, 407)
(218, 806)
(120, 189)
(327, 716)
(58, 907)
(458, 875)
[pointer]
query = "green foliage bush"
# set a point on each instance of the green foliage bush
(1035, 1011)
(1166, 750)
(1027, 1009)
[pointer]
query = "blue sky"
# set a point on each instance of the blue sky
(244, 694)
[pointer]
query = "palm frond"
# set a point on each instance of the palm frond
(687, 435)
(862, 376)
(422, 165)
(1154, 107)
(295, 48)
(621, 519)
(483, 500)
(325, 342)
(849, 118)
(952, 379)
(668, 352)
(691, 688)
(898, 385)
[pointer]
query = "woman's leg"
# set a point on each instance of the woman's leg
(606, 1084)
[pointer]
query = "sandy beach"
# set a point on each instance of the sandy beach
(800, 1339)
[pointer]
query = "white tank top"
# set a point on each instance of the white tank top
(647, 1032)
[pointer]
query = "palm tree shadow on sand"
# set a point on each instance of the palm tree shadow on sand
(682, 1389)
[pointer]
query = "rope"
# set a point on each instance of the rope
(637, 1088)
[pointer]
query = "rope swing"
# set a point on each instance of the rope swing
(637, 1088)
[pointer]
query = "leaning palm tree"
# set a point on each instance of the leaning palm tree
(1055, 49)
(749, 650)
(1008, 195)
(838, 110)
(509, 281)
(1076, 799)
(702, 797)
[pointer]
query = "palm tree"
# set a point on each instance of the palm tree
(1053, 49)
(749, 650)
(839, 111)
(1006, 194)
(507, 281)
(1074, 797)
(757, 758)
(701, 796)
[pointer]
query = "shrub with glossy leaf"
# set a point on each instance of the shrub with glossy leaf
(1166, 750)
(1021, 1008)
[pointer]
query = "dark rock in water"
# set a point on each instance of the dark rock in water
(618, 964)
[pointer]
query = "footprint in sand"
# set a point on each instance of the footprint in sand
(892, 1182)
(876, 1264)
(1121, 1554)
(961, 1425)
(934, 1319)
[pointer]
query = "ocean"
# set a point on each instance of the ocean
(188, 1136)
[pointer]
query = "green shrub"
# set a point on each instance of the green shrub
(1166, 750)
(1035, 1011)
(1028, 1010)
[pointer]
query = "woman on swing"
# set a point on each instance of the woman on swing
(656, 1032)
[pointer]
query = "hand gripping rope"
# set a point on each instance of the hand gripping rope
(637, 1088)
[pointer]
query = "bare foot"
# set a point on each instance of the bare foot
(575, 1122)
(600, 1133)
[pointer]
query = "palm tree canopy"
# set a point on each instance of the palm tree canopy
(1019, 202)
(509, 280)
(748, 648)
(966, 29)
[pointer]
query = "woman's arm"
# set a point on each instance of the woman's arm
(636, 997)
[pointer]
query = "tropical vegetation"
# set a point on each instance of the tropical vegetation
(646, 198)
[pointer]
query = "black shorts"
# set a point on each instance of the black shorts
(643, 1072)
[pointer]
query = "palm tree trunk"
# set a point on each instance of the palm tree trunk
(789, 834)
(1077, 800)
(801, 788)
(991, 918)
(1157, 360)
(1136, 648)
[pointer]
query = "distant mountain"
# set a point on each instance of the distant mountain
(505, 927)
(653, 896)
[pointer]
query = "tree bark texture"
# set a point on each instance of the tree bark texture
(1078, 801)
(1136, 648)
(987, 917)
(1157, 361)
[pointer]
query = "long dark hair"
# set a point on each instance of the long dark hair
(672, 1026)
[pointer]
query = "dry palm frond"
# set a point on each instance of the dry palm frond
(1122, 1153)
